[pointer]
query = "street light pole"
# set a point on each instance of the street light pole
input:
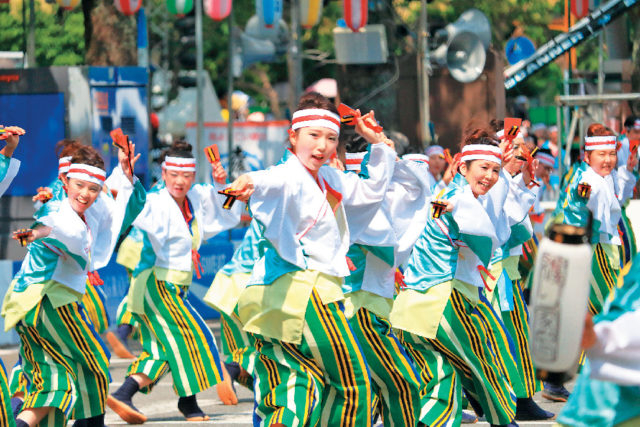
(200, 165)
(424, 68)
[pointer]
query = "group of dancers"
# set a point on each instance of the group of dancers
(368, 288)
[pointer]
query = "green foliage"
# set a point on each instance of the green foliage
(59, 36)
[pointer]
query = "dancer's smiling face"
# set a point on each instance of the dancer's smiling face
(313, 146)
(81, 194)
(601, 161)
(481, 175)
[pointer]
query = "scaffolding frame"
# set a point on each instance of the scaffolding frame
(580, 102)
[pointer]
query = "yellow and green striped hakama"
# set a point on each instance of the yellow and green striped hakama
(237, 346)
(604, 275)
(18, 383)
(175, 338)
(440, 388)
(323, 379)
(94, 301)
(64, 360)
(628, 248)
(501, 342)
(6, 415)
(462, 339)
(394, 377)
(517, 323)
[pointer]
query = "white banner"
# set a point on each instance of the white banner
(262, 143)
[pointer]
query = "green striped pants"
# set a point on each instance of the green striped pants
(64, 360)
(236, 345)
(501, 342)
(394, 378)
(604, 276)
(6, 416)
(175, 338)
(628, 249)
(463, 342)
(95, 304)
(323, 379)
(517, 323)
(440, 387)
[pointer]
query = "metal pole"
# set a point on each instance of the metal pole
(31, 37)
(230, 95)
(424, 68)
(295, 57)
(200, 171)
(601, 72)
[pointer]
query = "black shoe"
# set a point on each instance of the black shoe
(555, 392)
(511, 424)
(234, 370)
(477, 408)
(188, 406)
(528, 410)
(97, 421)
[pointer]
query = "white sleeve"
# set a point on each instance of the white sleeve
(112, 219)
(362, 197)
(215, 218)
(519, 200)
(616, 355)
(626, 183)
(273, 205)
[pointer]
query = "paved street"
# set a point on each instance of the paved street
(160, 405)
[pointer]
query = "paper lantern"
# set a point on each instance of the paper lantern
(179, 7)
(355, 13)
(128, 7)
(217, 9)
(68, 4)
(269, 12)
(310, 12)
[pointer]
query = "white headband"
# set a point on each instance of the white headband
(353, 161)
(433, 150)
(500, 135)
(182, 164)
(421, 158)
(600, 143)
(546, 159)
(636, 124)
(315, 117)
(87, 173)
(63, 164)
(481, 152)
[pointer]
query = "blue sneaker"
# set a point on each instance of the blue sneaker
(555, 392)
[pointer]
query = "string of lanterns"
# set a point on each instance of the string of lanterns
(269, 11)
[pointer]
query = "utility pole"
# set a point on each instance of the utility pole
(200, 165)
(31, 37)
(230, 95)
(424, 69)
(295, 57)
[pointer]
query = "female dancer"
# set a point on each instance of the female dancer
(307, 352)
(598, 188)
(64, 359)
(444, 278)
(175, 221)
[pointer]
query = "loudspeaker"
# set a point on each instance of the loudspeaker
(463, 44)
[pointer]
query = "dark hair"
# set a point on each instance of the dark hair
(598, 129)
(543, 150)
(496, 125)
(316, 100)
(355, 144)
(87, 155)
(629, 122)
(478, 135)
(66, 147)
(179, 148)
